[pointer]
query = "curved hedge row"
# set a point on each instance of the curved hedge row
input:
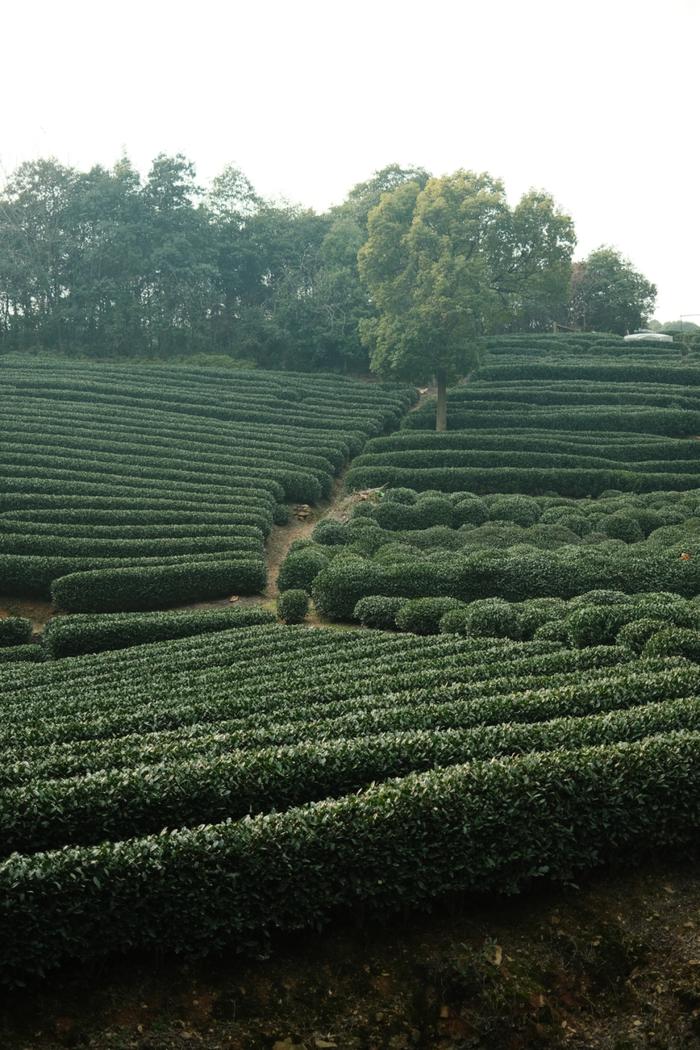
(106, 590)
(514, 574)
(143, 446)
(73, 635)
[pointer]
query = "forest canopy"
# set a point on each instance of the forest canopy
(104, 263)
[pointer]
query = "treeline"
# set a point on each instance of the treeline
(106, 264)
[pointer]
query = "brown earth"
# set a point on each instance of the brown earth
(612, 964)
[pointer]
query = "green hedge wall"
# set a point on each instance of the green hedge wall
(15, 630)
(481, 826)
(82, 633)
(150, 588)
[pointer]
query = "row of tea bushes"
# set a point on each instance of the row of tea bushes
(78, 634)
(379, 753)
(15, 630)
(119, 470)
(516, 573)
(596, 618)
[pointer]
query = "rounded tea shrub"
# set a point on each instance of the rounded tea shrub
(292, 606)
(455, 621)
(469, 510)
(379, 611)
(423, 615)
(493, 618)
(400, 495)
(15, 630)
(674, 641)
(522, 510)
(622, 526)
(600, 597)
(596, 624)
(555, 631)
(637, 633)
(300, 568)
(536, 612)
(330, 533)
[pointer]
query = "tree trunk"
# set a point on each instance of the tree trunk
(441, 416)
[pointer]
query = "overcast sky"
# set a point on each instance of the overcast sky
(595, 101)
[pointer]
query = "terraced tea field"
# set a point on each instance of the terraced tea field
(298, 771)
(132, 487)
(514, 694)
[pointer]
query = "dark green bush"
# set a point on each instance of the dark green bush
(596, 624)
(292, 606)
(536, 612)
(492, 618)
(330, 533)
(15, 630)
(637, 633)
(454, 621)
(112, 590)
(469, 510)
(622, 526)
(301, 567)
(423, 615)
(553, 631)
(522, 510)
(378, 611)
(674, 641)
(400, 496)
(83, 633)
(23, 653)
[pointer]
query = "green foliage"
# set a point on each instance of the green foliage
(448, 260)
(674, 641)
(522, 510)
(330, 533)
(127, 466)
(72, 635)
(15, 630)
(637, 633)
(21, 653)
(292, 606)
(608, 294)
(110, 590)
(423, 615)
(301, 567)
(492, 618)
(378, 611)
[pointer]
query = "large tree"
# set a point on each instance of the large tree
(447, 262)
(609, 295)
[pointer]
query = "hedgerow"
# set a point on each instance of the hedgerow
(557, 810)
(292, 606)
(21, 653)
(15, 630)
(153, 587)
(132, 445)
(82, 633)
(515, 574)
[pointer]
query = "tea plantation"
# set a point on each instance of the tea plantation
(129, 487)
(514, 694)
(300, 771)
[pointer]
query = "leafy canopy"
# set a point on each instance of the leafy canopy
(450, 261)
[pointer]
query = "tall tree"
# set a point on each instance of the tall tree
(448, 262)
(609, 295)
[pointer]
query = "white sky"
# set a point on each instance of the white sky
(596, 101)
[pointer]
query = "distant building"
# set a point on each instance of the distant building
(657, 337)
